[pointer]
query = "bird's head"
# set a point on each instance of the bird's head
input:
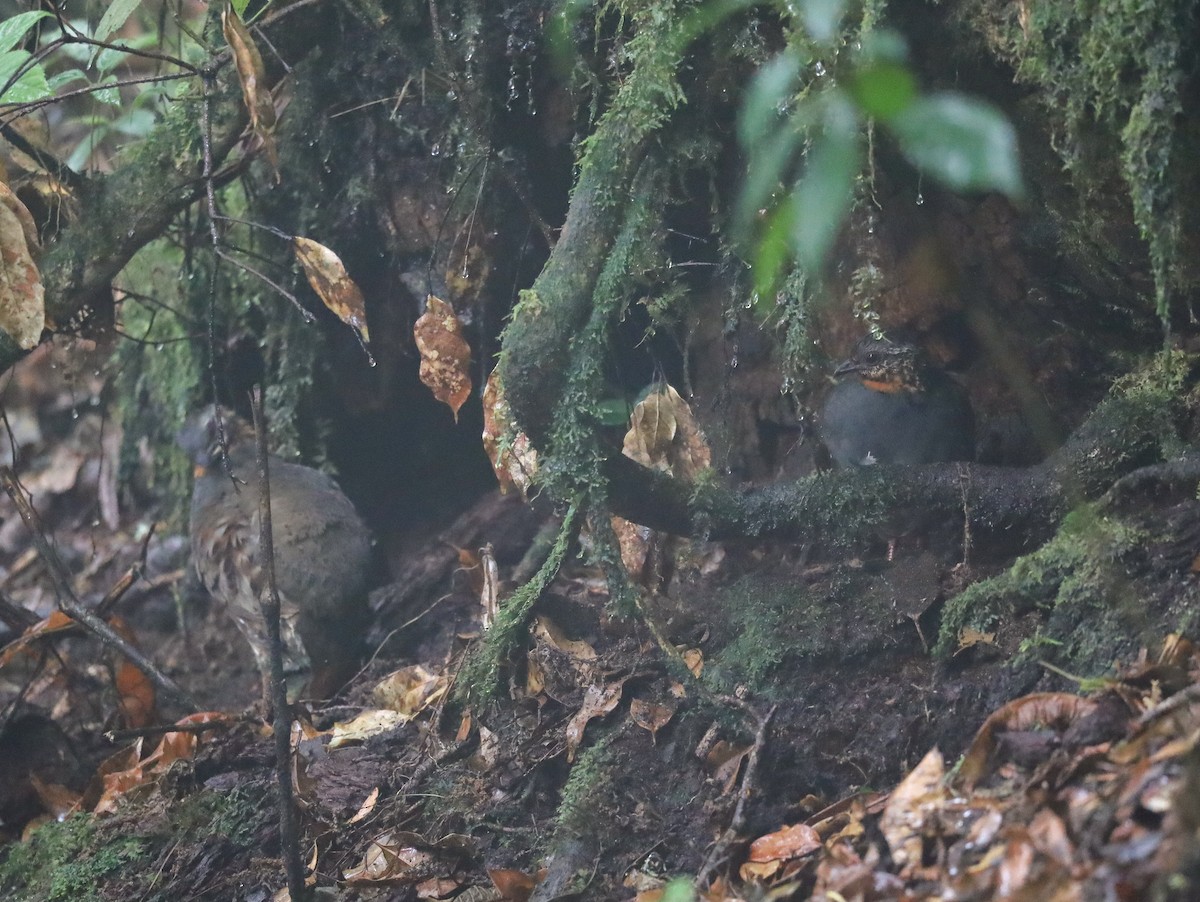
(884, 365)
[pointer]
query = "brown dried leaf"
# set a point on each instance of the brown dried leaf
(597, 702)
(912, 808)
(22, 297)
(366, 807)
(1057, 710)
(386, 861)
(328, 277)
(410, 690)
(513, 885)
(546, 630)
(650, 716)
(445, 354)
(252, 77)
(513, 458)
(635, 542)
(372, 722)
(663, 435)
(785, 843)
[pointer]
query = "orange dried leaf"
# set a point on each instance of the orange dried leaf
(445, 354)
(22, 297)
(785, 843)
(328, 277)
(513, 885)
(649, 715)
(252, 77)
(1057, 710)
(513, 458)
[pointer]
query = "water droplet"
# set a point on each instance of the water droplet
(733, 362)
(435, 150)
(129, 234)
(819, 68)
(920, 198)
(74, 413)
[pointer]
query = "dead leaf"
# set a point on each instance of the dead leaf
(371, 722)
(597, 702)
(445, 354)
(385, 861)
(650, 716)
(513, 458)
(22, 297)
(784, 844)
(252, 77)
(725, 760)
(664, 435)
(969, 637)
(366, 807)
(328, 277)
(911, 809)
(546, 630)
(489, 590)
(694, 659)
(513, 885)
(410, 690)
(1056, 710)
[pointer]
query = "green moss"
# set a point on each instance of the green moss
(1112, 75)
(66, 861)
(1075, 578)
(587, 794)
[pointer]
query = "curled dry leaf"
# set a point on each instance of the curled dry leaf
(387, 861)
(664, 435)
(597, 701)
(371, 722)
(913, 809)
(445, 354)
(252, 77)
(1041, 710)
(649, 715)
(513, 457)
(328, 277)
(22, 297)
(410, 690)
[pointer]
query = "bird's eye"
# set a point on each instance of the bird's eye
(871, 357)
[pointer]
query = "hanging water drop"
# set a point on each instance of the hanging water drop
(920, 198)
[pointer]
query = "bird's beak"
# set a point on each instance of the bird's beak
(198, 470)
(846, 366)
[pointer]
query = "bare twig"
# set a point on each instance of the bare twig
(720, 850)
(70, 603)
(274, 688)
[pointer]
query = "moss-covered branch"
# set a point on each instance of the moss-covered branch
(1134, 427)
(121, 212)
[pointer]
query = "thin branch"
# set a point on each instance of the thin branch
(275, 692)
(70, 603)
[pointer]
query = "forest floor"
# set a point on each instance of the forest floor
(808, 752)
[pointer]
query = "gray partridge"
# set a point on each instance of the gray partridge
(896, 407)
(322, 552)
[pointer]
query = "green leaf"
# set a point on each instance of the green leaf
(65, 78)
(825, 191)
(109, 95)
(12, 30)
(769, 95)
(966, 144)
(31, 86)
(771, 254)
(821, 18)
(679, 890)
(764, 171)
(114, 17)
(883, 90)
(239, 7)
